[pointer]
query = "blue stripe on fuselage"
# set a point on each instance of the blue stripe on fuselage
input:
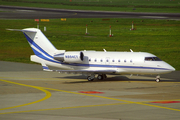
(114, 66)
(98, 65)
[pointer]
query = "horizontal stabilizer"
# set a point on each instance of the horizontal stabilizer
(23, 30)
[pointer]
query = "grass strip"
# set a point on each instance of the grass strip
(160, 37)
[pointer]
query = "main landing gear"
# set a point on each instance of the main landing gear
(90, 78)
(99, 77)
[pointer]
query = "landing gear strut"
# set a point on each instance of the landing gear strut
(91, 78)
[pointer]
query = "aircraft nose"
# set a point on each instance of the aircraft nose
(168, 67)
(171, 69)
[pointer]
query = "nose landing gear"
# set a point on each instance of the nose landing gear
(158, 78)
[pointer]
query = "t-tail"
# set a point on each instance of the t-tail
(38, 41)
(41, 46)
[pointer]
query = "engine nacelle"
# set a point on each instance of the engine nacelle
(70, 57)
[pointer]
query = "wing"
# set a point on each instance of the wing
(81, 71)
(86, 71)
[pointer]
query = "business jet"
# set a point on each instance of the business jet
(92, 63)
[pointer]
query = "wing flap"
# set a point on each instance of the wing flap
(86, 71)
(81, 71)
(45, 68)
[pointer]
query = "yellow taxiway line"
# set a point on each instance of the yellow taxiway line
(48, 95)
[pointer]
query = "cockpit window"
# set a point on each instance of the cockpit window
(157, 59)
(148, 59)
(152, 59)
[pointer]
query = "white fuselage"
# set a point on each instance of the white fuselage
(121, 62)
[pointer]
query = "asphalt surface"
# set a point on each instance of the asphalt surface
(27, 92)
(13, 12)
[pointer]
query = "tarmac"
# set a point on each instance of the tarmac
(28, 93)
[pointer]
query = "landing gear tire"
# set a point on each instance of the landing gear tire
(158, 80)
(89, 78)
(100, 77)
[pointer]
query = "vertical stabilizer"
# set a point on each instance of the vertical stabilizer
(41, 46)
(38, 42)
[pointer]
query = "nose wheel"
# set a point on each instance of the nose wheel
(158, 78)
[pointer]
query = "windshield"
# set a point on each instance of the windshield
(152, 59)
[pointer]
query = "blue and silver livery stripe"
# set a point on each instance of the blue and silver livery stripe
(39, 51)
(32, 43)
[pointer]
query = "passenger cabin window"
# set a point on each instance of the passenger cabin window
(152, 59)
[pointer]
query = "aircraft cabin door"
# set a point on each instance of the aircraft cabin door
(107, 61)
